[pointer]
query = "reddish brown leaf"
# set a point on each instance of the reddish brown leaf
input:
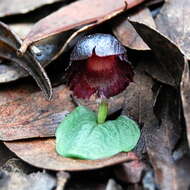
(26, 114)
(70, 17)
(126, 33)
(42, 154)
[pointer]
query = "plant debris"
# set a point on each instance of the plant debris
(37, 40)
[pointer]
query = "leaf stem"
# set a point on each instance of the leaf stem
(102, 112)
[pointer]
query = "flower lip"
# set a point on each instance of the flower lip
(101, 44)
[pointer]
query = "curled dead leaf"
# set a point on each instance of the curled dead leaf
(69, 17)
(168, 54)
(185, 96)
(126, 33)
(41, 153)
(9, 43)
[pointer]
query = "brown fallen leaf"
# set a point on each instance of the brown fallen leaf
(9, 43)
(69, 17)
(126, 33)
(50, 48)
(41, 153)
(12, 7)
(185, 96)
(173, 21)
(155, 69)
(26, 114)
(162, 139)
(45, 51)
(168, 54)
(139, 102)
(139, 96)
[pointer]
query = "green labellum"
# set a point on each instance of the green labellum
(80, 136)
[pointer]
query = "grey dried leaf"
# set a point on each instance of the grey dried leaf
(112, 185)
(12, 7)
(21, 29)
(162, 139)
(155, 69)
(139, 97)
(33, 181)
(17, 165)
(46, 50)
(5, 154)
(10, 72)
(168, 54)
(9, 43)
(139, 103)
(62, 178)
(50, 48)
(126, 33)
(173, 21)
(185, 96)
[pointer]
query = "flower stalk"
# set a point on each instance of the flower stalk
(102, 112)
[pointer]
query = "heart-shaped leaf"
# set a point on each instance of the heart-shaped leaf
(79, 135)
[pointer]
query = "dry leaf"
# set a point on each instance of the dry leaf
(50, 48)
(185, 96)
(5, 154)
(130, 172)
(21, 29)
(139, 97)
(69, 17)
(26, 114)
(21, 181)
(173, 21)
(162, 139)
(12, 7)
(126, 33)
(139, 103)
(169, 55)
(42, 154)
(10, 72)
(9, 43)
(112, 185)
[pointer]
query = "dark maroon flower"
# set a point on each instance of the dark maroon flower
(100, 67)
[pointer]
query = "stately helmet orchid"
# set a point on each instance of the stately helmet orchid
(100, 67)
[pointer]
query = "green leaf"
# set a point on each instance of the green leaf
(79, 135)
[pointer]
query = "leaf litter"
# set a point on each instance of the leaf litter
(152, 100)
